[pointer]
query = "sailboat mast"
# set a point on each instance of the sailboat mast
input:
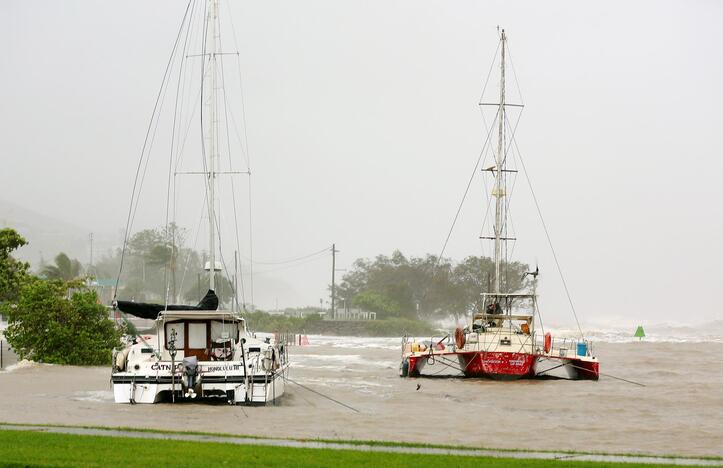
(210, 91)
(499, 190)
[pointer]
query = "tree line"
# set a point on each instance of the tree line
(424, 287)
(156, 260)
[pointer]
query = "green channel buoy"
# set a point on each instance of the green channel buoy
(640, 333)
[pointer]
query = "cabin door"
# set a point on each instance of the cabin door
(198, 340)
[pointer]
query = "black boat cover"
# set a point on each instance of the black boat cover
(150, 311)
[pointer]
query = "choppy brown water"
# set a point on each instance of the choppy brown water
(679, 411)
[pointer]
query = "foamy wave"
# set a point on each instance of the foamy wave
(352, 342)
(621, 333)
(346, 362)
(659, 333)
(24, 364)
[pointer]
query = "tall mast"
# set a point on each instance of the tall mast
(499, 190)
(210, 92)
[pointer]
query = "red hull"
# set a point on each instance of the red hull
(486, 364)
(497, 364)
(503, 365)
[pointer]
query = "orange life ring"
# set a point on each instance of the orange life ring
(548, 342)
(459, 338)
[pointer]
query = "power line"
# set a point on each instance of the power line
(293, 259)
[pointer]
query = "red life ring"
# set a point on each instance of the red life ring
(548, 342)
(459, 338)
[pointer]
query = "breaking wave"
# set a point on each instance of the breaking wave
(654, 332)
(624, 333)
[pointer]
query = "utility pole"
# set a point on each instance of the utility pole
(333, 280)
(90, 266)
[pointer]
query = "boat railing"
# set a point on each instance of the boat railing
(563, 346)
(429, 343)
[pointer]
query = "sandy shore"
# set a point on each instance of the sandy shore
(679, 411)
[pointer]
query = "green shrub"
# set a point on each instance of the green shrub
(314, 324)
(45, 326)
(398, 327)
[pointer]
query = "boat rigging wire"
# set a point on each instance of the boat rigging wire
(171, 186)
(549, 239)
(143, 150)
(195, 242)
(247, 152)
(483, 152)
(230, 163)
(489, 73)
(514, 72)
(513, 130)
(464, 197)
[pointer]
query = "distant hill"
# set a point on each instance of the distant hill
(47, 235)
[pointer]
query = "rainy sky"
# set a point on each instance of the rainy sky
(362, 128)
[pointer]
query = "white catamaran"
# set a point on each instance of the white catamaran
(505, 338)
(200, 351)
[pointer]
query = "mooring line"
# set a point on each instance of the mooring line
(322, 395)
(624, 380)
(611, 376)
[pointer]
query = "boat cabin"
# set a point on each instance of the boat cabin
(515, 310)
(209, 336)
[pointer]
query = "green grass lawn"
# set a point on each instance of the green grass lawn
(26, 448)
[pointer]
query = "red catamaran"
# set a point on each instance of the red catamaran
(503, 339)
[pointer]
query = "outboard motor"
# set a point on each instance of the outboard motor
(191, 381)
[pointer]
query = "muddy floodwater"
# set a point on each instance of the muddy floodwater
(678, 411)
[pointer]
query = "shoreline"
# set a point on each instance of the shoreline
(366, 445)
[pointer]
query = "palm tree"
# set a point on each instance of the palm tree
(64, 269)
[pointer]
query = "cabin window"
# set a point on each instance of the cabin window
(223, 331)
(180, 334)
(197, 335)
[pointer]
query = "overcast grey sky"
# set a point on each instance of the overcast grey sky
(363, 127)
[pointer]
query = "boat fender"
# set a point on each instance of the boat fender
(121, 358)
(459, 338)
(267, 360)
(548, 342)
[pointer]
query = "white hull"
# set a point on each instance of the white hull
(262, 389)
(216, 358)
(559, 368)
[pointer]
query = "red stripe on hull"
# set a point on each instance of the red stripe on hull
(497, 364)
